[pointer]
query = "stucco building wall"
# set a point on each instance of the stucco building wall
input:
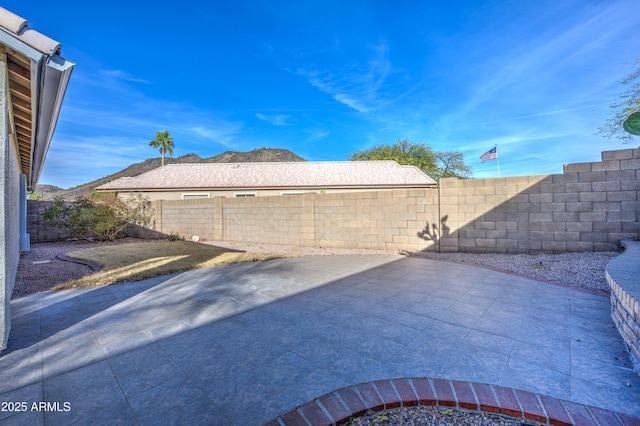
(243, 192)
(9, 206)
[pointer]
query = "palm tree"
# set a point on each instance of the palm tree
(164, 141)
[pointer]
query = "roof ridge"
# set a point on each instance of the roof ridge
(288, 162)
(381, 173)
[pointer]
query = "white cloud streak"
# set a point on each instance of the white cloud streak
(316, 134)
(121, 75)
(356, 85)
(276, 119)
(544, 57)
(85, 146)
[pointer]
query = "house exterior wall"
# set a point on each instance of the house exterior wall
(231, 193)
(9, 210)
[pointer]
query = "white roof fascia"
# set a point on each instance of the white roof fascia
(55, 78)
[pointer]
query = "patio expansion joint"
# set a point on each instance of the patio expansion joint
(349, 402)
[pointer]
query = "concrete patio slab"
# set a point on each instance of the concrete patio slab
(242, 344)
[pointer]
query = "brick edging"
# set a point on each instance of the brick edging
(337, 407)
(623, 273)
(93, 266)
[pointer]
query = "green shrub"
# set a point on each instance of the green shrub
(174, 236)
(98, 217)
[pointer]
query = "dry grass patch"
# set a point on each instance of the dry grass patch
(138, 261)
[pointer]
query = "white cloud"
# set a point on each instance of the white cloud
(540, 101)
(544, 113)
(357, 85)
(275, 119)
(316, 134)
(102, 103)
(219, 131)
(122, 75)
(530, 70)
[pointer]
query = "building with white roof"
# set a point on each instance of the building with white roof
(210, 180)
(33, 81)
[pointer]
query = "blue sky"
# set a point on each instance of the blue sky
(327, 78)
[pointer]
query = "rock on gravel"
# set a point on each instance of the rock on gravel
(584, 269)
(433, 416)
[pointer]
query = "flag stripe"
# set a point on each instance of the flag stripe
(492, 154)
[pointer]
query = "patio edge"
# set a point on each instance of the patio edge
(337, 407)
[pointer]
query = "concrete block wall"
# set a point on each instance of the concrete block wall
(490, 215)
(199, 218)
(40, 231)
(277, 219)
(589, 207)
(390, 220)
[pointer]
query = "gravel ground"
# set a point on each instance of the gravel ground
(432, 416)
(585, 270)
(39, 270)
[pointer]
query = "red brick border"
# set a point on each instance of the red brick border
(337, 407)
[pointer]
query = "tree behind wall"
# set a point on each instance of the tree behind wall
(436, 164)
(100, 217)
(628, 103)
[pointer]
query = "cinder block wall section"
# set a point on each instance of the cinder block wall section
(392, 220)
(39, 230)
(277, 219)
(589, 207)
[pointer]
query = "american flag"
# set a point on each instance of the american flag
(492, 154)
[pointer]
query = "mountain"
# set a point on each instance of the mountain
(49, 192)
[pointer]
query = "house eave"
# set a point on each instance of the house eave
(234, 188)
(37, 84)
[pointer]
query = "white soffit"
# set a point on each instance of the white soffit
(38, 78)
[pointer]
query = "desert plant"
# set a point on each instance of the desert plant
(174, 236)
(98, 217)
